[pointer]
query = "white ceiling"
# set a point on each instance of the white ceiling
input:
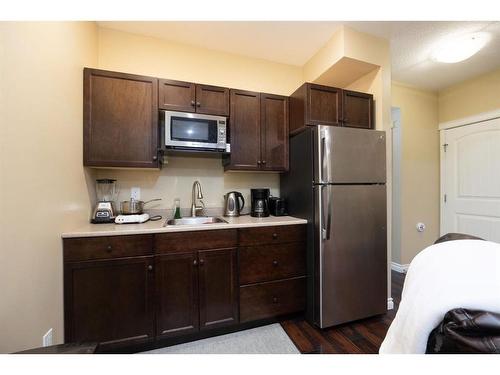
(294, 42)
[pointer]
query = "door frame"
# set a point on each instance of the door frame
(466, 121)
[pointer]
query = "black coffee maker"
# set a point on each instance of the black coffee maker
(260, 204)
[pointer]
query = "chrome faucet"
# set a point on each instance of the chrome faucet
(194, 207)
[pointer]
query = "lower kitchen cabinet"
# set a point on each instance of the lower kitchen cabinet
(218, 282)
(177, 294)
(126, 292)
(274, 298)
(109, 301)
(196, 290)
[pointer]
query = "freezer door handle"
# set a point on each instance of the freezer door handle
(325, 148)
(326, 223)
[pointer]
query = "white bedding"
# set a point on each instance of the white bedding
(453, 274)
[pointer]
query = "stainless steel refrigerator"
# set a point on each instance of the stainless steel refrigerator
(337, 182)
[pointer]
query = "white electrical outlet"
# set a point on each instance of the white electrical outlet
(135, 193)
(47, 338)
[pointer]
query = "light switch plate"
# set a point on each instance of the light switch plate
(135, 193)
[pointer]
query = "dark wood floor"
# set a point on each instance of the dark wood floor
(363, 336)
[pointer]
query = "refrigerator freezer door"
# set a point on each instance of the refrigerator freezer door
(349, 156)
(352, 252)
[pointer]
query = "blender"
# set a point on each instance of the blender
(104, 211)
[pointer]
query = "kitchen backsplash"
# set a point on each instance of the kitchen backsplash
(175, 180)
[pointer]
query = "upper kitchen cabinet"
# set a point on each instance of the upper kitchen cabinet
(120, 120)
(244, 125)
(258, 132)
(212, 100)
(190, 97)
(358, 109)
(274, 132)
(177, 96)
(313, 104)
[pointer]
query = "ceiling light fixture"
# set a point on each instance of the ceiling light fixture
(460, 49)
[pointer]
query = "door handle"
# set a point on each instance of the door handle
(326, 223)
(322, 156)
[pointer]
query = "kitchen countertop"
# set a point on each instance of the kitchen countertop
(150, 227)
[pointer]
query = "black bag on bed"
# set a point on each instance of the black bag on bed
(466, 331)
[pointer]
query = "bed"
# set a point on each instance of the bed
(450, 301)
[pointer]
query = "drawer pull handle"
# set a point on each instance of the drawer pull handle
(193, 103)
(275, 263)
(275, 236)
(195, 262)
(150, 268)
(202, 262)
(109, 248)
(275, 299)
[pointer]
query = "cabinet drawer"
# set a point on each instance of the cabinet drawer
(272, 235)
(76, 249)
(272, 299)
(272, 262)
(196, 240)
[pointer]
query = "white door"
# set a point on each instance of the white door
(470, 178)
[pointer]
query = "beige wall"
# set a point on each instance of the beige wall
(176, 179)
(139, 54)
(471, 97)
(42, 180)
(419, 168)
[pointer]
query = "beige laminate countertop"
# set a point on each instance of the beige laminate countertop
(96, 230)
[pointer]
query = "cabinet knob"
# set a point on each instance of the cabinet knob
(150, 267)
(202, 262)
(258, 162)
(275, 263)
(155, 158)
(275, 299)
(275, 235)
(193, 103)
(264, 162)
(195, 262)
(109, 248)
(198, 104)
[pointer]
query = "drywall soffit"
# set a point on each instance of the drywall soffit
(344, 72)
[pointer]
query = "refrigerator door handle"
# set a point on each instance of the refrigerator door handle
(326, 223)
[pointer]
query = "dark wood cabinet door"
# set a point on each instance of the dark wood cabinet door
(120, 120)
(109, 301)
(274, 132)
(244, 130)
(324, 105)
(218, 288)
(212, 100)
(177, 95)
(177, 294)
(358, 110)
(272, 299)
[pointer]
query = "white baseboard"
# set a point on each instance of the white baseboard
(401, 268)
(390, 303)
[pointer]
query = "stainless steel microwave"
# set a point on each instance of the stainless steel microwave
(194, 131)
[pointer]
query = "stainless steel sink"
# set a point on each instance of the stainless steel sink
(195, 220)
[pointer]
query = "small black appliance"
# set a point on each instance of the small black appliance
(277, 206)
(260, 204)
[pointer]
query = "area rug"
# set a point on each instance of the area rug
(270, 339)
